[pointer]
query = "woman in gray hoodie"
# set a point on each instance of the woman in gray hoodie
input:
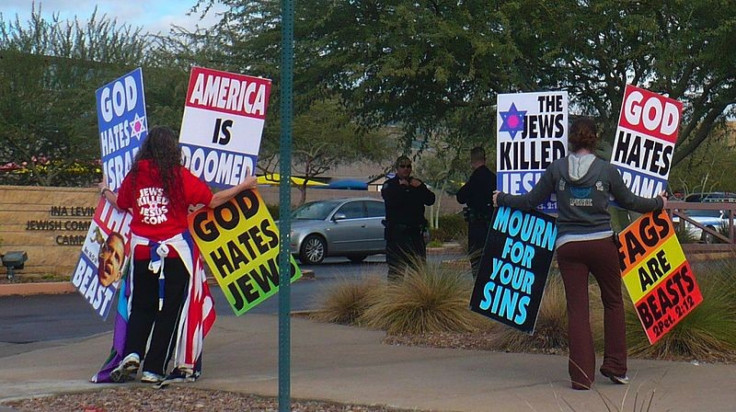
(585, 244)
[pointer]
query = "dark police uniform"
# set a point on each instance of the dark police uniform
(405, 224)
(477, 194)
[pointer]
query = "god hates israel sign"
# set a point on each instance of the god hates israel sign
(656, 274)
(222, 125)
(645, 140)
(531, 134)
(121, 121)
(514, 267)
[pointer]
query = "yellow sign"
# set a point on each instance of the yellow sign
(239, 241)
(656, 274)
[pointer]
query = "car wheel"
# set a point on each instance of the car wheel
(313, 250)
(709, 238)
(357, 258)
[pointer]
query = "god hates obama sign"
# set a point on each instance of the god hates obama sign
(240, 243)
(647, 131)
(222, 125)
(122, 124)
(514, 267)
(531, 134)
(656, 274)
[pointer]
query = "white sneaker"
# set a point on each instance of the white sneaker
(150, 377)
(127, 368)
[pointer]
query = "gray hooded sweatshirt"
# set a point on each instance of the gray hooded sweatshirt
(583, 184)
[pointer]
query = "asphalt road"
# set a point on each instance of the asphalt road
(29, 320)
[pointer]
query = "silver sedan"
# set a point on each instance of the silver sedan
(350, 227)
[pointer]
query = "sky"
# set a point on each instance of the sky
(154, 16)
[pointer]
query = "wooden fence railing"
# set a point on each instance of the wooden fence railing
(722, 242)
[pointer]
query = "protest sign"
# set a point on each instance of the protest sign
(104, 256)
(121, 119)
(122, 124)
(656, 274)
(531, 133)
(514, 267)
(645, 140)
(239, 241)
(224, 114)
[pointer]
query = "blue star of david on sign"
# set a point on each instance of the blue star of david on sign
(513, 121)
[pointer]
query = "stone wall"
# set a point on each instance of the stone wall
(50, 223)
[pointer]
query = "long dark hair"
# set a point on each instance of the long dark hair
(162, 148)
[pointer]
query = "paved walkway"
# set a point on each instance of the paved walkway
(347, 364)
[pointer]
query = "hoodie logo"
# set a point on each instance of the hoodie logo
(599, 186)
(580, 196)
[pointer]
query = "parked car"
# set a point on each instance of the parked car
(350, 227)
(712, 219)
(707, 197)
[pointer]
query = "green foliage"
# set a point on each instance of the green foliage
(435, 68)
(710, 167)
(49, 71)
(431, 298)
(708, 332)
(451, 228)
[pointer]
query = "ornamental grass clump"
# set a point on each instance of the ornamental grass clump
(346, 301)
(708, 333)
(550, 331)
(430, 298)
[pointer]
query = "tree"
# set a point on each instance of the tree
(438, 64)
(49, 71)
(323, 138)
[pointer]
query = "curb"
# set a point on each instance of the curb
(36, 288)
(55, 288)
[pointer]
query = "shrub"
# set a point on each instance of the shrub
(706, 333)
(550, 332)
(431, 298)
(345, 302)
(451, 228)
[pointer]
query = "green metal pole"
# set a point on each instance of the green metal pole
(287, 75)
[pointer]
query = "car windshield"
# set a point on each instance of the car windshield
(704, 213)
(314, 210)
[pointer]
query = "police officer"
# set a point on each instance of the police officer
(405, 197)
(477, 194)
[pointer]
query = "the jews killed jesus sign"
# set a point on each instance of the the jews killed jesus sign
(222, 125)
(656, 274)
(531, 134)
(514, 267)
(645, 140)
(240, 243)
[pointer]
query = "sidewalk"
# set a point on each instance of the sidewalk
(346, 364)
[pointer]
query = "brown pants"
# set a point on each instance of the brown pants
(577, 260)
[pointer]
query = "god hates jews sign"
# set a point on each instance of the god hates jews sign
(514, 267)
(221, 129)
(656, 274)
(645, 140)
(240, 243)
